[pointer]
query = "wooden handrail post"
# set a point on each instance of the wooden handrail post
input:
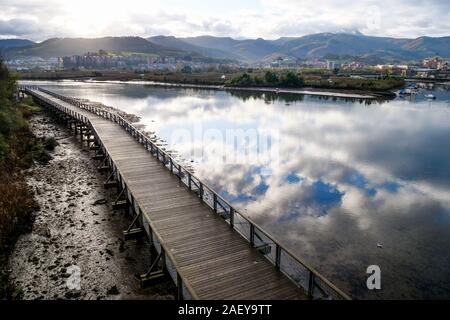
(252, 235)
(215, 202)
(232, 217)
(201, 191)
(278, 256)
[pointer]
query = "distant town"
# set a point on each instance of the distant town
(429, 68)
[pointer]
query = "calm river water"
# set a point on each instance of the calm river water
(345, 184)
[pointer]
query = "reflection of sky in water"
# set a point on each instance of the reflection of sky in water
(349, 176)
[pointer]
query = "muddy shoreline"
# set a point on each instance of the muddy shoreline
(75, 249)
(312, 91)
(350, 94)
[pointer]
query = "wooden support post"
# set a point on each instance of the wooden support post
(110, 182)
(119, 203)
(98, 156)
(155, 274)
(133, 233)
(163, 258)
(311, 285)
(103, 169)
(179, 287)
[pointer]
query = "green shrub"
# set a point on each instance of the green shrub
(4, 149)
(271, 77)
(18, 148)
(242, 80)
(291, 79)
(40, 153)
(50, 143)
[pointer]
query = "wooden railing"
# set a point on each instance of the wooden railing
(304, 276)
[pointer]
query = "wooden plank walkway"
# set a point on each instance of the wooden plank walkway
(214, 261)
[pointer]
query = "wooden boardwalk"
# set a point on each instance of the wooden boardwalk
(211, 260)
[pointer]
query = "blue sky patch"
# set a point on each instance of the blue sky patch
(326, 194)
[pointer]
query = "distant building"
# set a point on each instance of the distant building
(314, 64)
(34, 63)
(434, 63)
(331, 65)
(353, 66)
(395, 69)
(425, 73)
(105, 61)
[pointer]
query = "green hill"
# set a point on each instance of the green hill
(59, 47)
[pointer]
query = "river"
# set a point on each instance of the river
(344, 183)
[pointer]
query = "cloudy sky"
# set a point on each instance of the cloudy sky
(42, 19)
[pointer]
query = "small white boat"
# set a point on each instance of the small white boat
(408, 91)
(430, 96)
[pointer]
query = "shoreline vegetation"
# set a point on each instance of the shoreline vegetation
(312, 82)
(19, 150)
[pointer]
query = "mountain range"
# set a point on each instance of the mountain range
(368, 48)
(318, 45)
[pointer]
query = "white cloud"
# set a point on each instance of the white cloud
(263, 18)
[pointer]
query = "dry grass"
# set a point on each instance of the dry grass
(16, 206)
(16, 217)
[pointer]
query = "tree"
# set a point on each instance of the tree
(243, 80)
(7, 85)
(187, 69)
(271, 77)
(291, 79)
(258, 80)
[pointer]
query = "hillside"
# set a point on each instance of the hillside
(386, 49)
(368, 48)
(382, 49)
(180, 44)
(6, 44)
(58, 47)
(250, 50)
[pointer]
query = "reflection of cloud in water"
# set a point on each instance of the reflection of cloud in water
(365, 175)
(350, 176)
